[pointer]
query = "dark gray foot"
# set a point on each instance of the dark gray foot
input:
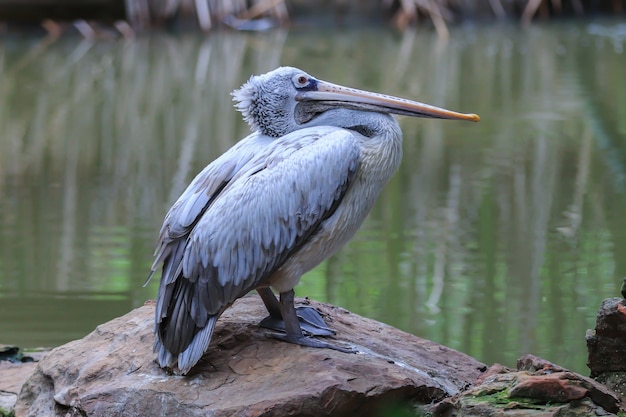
(311, 323)
(293, 323)
(310, 342)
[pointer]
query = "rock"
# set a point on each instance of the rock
(607, 344)
(616, 381)
(12, 377)
(548, 388)
(532, 363)
(537, 388)
(112, 371)
(598, 392)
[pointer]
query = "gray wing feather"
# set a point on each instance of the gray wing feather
(239, 221)
(207, 185)
(268, 207)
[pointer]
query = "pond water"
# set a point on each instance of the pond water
(497, 238)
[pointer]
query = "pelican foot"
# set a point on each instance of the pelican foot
(310, 320)
(296, 320)
(310, 342)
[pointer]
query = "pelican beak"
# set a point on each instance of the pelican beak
(337, 95)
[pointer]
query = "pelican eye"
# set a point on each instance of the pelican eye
(303, 82)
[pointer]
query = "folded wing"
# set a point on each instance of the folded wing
(238, 222)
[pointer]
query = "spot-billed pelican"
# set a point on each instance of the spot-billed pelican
(274, 206)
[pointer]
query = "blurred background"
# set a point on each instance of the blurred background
(497, 239)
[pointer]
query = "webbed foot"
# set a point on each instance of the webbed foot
(295, 322)
(310, 342)
(310, 320)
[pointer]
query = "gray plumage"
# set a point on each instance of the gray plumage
(276, 204)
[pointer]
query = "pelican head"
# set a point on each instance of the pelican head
(287, 99)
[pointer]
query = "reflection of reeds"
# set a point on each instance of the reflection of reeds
(442, 11)
(135, 115)
(144, 13)
(98, 140)
(261, 15)
(405, 12)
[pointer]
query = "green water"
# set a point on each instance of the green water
(497, 239)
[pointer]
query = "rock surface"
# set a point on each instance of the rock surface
(12, 377)
(537, 388)
(112, 371)
(607, 345)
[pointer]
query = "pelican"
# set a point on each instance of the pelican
(274, 206)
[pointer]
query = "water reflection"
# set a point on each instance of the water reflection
(496, 239)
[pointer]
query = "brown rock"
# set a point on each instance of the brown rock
(13, 376)
(537, 388)
(494, 369)
(112, 372)
(599, 393)
(548, 388)
(607, 343)
(532, 363)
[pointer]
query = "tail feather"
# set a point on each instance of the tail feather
(164, 356)
(192, 354)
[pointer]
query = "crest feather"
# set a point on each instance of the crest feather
(245, 100)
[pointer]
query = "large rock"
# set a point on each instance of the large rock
(537, 388)
(112, 371)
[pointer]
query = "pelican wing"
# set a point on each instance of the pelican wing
(207, 185)
(228, 241)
